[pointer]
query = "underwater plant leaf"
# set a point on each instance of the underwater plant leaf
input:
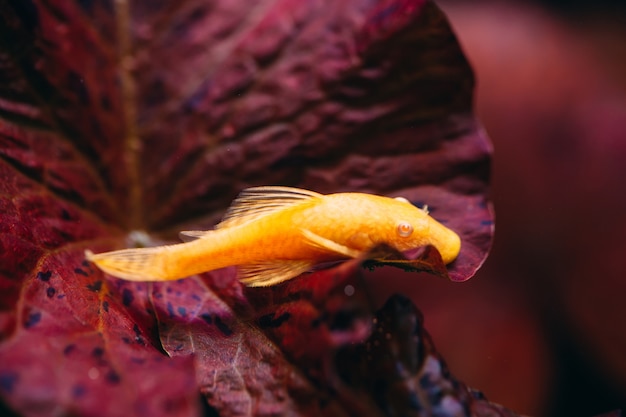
(256, 354)
(398, 372)
(71, 341)
(123, 117)
(311, 346)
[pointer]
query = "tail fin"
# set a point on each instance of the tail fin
(141, 264)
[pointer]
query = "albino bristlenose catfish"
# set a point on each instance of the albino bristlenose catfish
(273, 234)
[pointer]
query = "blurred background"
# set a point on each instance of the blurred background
(541, 328)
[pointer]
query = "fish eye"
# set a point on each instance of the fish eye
(404, 229)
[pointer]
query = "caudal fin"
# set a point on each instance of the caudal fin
(141, 264)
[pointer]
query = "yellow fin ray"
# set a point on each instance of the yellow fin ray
(320, 242)
(256, 202)
(189, 235)
(263, 274)
(138, 264)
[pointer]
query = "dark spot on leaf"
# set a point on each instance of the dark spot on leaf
(95, 286)
(44, 276)
(138, 336)
(86, 5)
(63, 234)
(69, 349)
(170, 309)
(127, 297)
(432, 389)
(97, 352)
(112, 377)
(341, 321)
(86, 264)
(196, 297)
(7, 381)
(50, 292)
(60, 296)
(413, 401)
(182, 311)
(268, 321)
(486, 223)
(188, 21)
(105, 306)
(76, 84)
(319, 320)
(156, 91)
(105, 103)
(385, 13)
(479, 395)
(78, 391)
(222, 327)
(138, 361)
(126, 340)
(32, 319)
(81, 272)
(207, 318)
(436, 395)
(196, 98)
(65, 215)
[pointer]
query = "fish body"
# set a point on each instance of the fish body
(276, 233)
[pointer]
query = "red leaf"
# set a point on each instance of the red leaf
(397, 371)
(124, 116)
(336, 356)
(260, 348)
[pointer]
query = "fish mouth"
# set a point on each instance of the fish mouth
(450, 251)
(447, 242)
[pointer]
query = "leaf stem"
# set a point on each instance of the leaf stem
(132, 142)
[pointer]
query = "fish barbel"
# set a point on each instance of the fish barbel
(273, 234)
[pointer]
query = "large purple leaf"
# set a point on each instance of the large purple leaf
(117, 117)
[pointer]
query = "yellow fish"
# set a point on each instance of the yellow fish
(277, 233)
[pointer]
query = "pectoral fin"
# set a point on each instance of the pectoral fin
(189, 235)
(264, 274)
(329, 245)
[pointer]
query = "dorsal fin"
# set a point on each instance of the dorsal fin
(256, 202)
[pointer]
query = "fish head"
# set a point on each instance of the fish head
(408, 227)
